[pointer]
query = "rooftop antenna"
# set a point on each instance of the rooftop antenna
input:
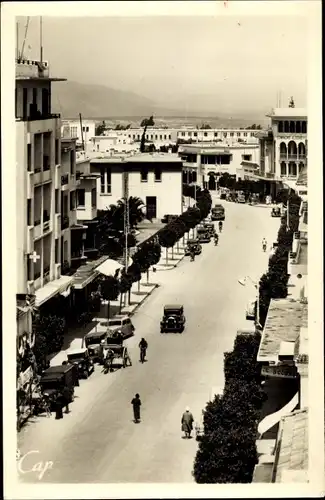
(17, 41)
(41, 38)
(23, 46)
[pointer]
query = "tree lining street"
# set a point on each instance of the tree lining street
(98, 441)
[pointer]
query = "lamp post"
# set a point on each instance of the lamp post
(257, 286)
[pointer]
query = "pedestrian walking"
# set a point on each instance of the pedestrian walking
(136, 403)
(66, 398)
(128, 361)
(187, 423)
(58, 406)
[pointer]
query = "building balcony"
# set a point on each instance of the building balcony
(65, 222)
(46, 226)
(46, 163)
(30, 185)
(37, 229)
(57, 271)
(293, 157)
(30, 239)
(46, 275)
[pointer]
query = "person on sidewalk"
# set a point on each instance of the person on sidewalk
(136, 403)
(264, 244)
(58, 406)
(187, 423)
(66, 398)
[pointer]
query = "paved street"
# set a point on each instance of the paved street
(98, 441)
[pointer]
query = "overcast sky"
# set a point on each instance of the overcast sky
(201, 62)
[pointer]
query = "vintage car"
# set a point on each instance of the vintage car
(195, 245)
(55, 378)
(173, 319)
(276, 212)
(218, 212)
(240, 197)
(120, 323)
(81, 358)
(210, 227)
(203, 235)
(119, 357)
(92, 341)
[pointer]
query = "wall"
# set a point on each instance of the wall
(21, 204)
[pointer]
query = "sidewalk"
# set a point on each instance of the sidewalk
(165, 265)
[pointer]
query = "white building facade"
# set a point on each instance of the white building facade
(72, 128)
(155, 178)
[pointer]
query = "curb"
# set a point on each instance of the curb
(131, 313)
(172, 266)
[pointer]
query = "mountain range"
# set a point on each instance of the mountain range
(101, 102)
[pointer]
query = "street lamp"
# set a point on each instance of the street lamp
(243, 282)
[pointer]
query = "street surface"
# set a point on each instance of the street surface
(98, 441)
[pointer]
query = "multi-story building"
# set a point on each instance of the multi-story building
(151, 176)
(208, 160)
(72, 128)
(216, 134)
(38, 149)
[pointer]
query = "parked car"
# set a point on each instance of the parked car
(173, 319)
(218, 212)
(81, 358)
(276, 212)
(250, 309)
(92, 342)
(121, 323)
(195, 245)
(210, 227)
(203, 235)
(55, 378)
(241, 197)
(168, 218)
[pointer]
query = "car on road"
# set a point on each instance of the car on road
(194, 243)
(240, 197)
(120, 323)
(218, 212)
(173, 319)
(203, 235)
(276, 212)
(81, 358)
(250, 309)
(119, 357)
(168, 218)
(92, 342)
(55, 378)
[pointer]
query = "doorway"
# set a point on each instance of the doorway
(151, 206)
(212, 185)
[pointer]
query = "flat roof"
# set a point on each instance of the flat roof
(153, 157)
(292, 452)
(284, 320)
(288, 112)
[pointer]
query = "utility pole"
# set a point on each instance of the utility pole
(41, 39)
(126, 218)
(82, 133)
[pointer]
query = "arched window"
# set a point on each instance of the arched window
(293, 168)
(304, 127)
(302, 149)
(280, 127)
(286, 126)
(298, 127)
(283, 168)
(283, 149)
(292, 148)
(301, 166)
(292, 127)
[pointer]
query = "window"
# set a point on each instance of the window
(108, 180)
(216, 134)
(25, 96)
(29, 213)
(35, 97)
(165, 137)
(144, 175)
(225, 134)
(160, 137)
(72, 162)
(247, 157)
(205, 134)
(80, 198)
(190, 134)
(183, 134)
(231, 134)
(93, 198)
(57, 256)
(245, 134)
(170, 137)
(292, 169)
(57, 201)
(57, 152)
(29, 157)
(238, 134)
(87, 129)
(195, 134)
(102, 182)
(157, 174)
(283, 168)
(156, 137)
(72, 200)
(45, 102)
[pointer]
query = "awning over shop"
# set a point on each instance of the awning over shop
(109, 267)
(274, 418)
(51, 289)
(87, 273)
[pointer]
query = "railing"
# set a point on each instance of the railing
(37, 275)
(46, 225)
(64, 222)
(37, 222)
(46, 270)
(37, 170)
(38, 116)
(292, 157)
(64, 179)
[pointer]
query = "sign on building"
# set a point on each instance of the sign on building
(280, 371)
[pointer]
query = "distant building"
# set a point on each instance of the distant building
(72, 128)
(155, 178)
(209, 160)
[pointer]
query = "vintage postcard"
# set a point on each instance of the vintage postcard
(162, 249)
